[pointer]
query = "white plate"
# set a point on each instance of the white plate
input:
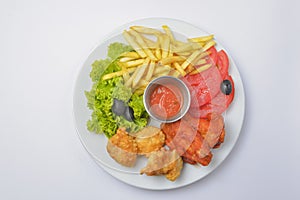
(95, 144)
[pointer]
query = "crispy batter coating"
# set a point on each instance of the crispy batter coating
(211, 128)
(149, 139)
(221, 139)
(193, 137)
(122, 148)
(187, 141)
(163, 162)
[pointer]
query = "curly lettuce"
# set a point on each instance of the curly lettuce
(100, 97)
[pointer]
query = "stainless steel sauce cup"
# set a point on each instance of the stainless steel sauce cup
(169, 82)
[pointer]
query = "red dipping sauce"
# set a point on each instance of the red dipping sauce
(166, 101)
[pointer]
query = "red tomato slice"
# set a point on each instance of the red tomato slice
(223, 63)
(217, 105)
(213, 56)
(203, 86)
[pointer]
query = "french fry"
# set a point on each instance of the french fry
(139, 91)
(199, 62)
(201, 39)
(184, 54)
(146, 30)
(128, 83)
(179, 68)
(209, 44)
(150, 71)
(112, 75)
(158, 49)
(175, 73)
(130, 70)
(126, 59)
(171, 59)
(133, 43)
(162, 70)
(142, 84)
(165, 46)
(150, 43)
(142, 44)
(165, 73)
(187, 47)
(125, 72)
(178, 43)
(190, 68)
(190, 59)
(169, 33)
(182, 48)
(131, 54)
(201, 69)
(134, 71)
(171, 53)
(140, 72)
(126, 76)
(163, 56)
(133, 63)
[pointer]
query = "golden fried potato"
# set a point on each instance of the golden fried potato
(149, 139)
(163, 162)
(122, 148)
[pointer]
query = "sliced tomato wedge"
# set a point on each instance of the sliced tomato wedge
(223, 63)
(218, 104)
(203, 86)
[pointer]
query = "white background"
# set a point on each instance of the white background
(42, 44)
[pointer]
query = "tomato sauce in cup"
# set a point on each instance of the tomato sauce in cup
(166, 101)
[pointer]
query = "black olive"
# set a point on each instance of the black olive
(226, 87)
(128, 114)
(118, 107)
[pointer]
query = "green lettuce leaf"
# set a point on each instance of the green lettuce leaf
(100, 97)
(116, 49)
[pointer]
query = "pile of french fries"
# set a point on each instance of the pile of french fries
(157, 53)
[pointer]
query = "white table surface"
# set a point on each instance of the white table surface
(42, 44)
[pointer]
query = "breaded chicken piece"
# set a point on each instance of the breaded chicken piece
(221, 139)
(122, 148)
(163, 162)
(149, 139)
(211, 128)
(187, 141)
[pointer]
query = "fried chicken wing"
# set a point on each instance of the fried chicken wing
(122, 148)
(164, 162)
(187, 141)
(149, 139)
